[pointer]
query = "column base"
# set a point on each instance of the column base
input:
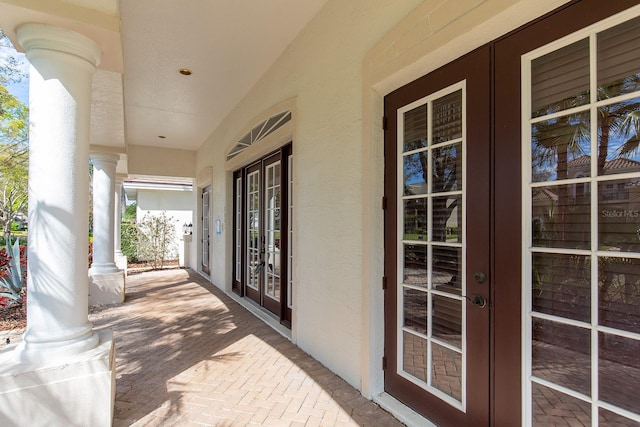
(121, 262)
(106, 288)
(78, 390)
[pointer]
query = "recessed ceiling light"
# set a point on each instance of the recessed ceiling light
(161, 136)
(185, 71)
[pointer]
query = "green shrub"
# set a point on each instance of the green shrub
(156, 234)
(129, 240)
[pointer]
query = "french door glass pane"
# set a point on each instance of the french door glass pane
(447, 269)
(290, 231)
(583, 291)
(553, 342)
(446, 371)
(561, 285)
(561, 148)
(619, 293)
(415, 358)
(415, 310)
(415, 178)
(415, 265)
(618, 59)
(431, 244)
(272, 231)
(447, 118)
(447, 320)
(254, 263)
(447, 168)
(618, 143)
(619, 219)
(553, 408)
(619, 371)
(205, 227)
(415, 128)
(608, 418)
(415, 219)
(238, 230)
(447, 221)
(560, 79)
(561, 219)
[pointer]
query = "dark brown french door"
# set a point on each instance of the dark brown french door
(261, 233)
(437, 151)
(481, 273)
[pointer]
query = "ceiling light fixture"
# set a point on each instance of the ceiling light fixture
(185, 71)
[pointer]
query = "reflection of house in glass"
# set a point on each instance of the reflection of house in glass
(561, 212)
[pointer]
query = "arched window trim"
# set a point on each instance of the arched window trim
(259, 132)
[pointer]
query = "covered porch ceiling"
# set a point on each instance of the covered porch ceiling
(140, 97)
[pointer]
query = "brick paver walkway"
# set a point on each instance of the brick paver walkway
(187, 354)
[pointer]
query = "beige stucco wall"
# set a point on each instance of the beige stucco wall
(155, 161)
(322, 71)
(336, 74)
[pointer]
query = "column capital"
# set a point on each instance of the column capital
(36, 36)
(101, 158)
(120, 178)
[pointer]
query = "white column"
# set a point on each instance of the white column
(117, 198)
(120, 258)
(62, 66)
(104, 176)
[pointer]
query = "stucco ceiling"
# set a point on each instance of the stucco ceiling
(227, 44)
(138, 93)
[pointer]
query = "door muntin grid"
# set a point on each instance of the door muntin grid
(273, 201)
(431, 244)
(254, 260)
(581, 229)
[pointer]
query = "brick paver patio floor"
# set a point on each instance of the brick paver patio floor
(187, 354)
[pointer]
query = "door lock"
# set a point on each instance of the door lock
(480, 277)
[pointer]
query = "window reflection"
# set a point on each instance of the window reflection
(415, 173)
(415, 265)
(415, 128)
(415, 219)
(560, 148)
(561, 217)
(561, 285)
(415, 310)
(619, 293)
(585, 179)
(560, 79)
(619, 215)
(447, 120)
(447, 168)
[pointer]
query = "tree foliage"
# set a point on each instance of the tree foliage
(14, 134)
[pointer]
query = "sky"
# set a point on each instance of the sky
(19, 90)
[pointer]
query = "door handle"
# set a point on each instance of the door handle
(478, 300)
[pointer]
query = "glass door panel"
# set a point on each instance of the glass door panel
(204, 262)
(254, 236)
(272, 231)
(430, 295)
(582, 196)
